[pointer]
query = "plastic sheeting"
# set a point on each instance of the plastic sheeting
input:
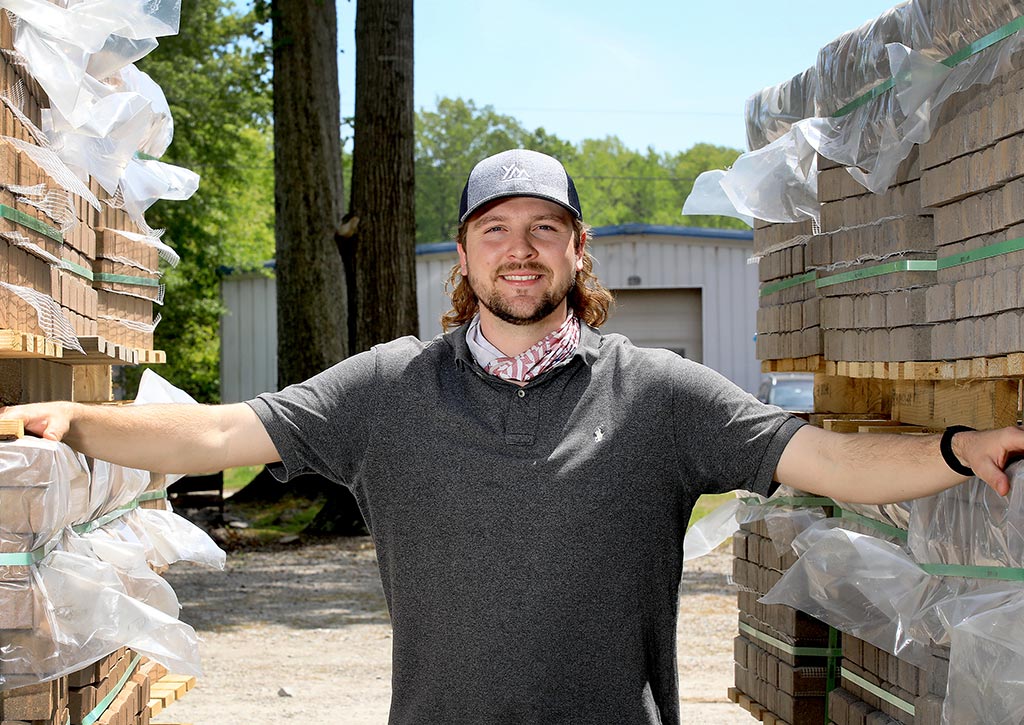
(76, 558)
(904, 46)
(104, 111)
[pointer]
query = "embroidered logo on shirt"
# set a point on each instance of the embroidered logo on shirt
(514, 173)
(598, 434)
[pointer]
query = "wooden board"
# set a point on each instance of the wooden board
(92, 383)
(980, 404)
(11, 429)
(837, 394)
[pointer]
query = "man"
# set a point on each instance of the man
(527, 481)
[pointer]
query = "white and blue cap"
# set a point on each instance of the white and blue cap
(518, 172)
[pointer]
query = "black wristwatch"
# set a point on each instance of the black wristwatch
(946, 448)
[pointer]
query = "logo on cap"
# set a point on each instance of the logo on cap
(514, 173)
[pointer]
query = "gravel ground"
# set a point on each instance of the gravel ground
(301, 635)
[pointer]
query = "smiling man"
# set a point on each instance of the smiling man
(526, 479)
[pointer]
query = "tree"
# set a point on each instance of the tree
(376, 240)
(213, 74)
(312, 296)
(382, 207)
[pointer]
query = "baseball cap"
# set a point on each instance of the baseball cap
(518, 172)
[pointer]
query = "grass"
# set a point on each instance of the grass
(269, 522)
(708, 503)
(238, 478)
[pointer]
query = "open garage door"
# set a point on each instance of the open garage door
(668, 318)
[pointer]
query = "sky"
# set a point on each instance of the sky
(660, 73)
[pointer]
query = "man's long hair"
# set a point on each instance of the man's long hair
(588, 298)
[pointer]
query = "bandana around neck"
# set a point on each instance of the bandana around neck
(550, 352)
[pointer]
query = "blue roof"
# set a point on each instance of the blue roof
(618, 230)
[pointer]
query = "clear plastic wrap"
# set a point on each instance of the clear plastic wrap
(856, 583)
(104, 111)
(772, 111)
(971, 524)
(873, 135)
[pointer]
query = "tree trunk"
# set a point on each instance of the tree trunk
(312, 315)
(383, 192)
(312, 296)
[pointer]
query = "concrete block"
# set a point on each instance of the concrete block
(939, 305)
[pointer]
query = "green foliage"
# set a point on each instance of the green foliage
(617, 185)
(215, 77)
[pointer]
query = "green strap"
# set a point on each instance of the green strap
(97, 712)
(1002, 573)
(790, 501)
(984, 42)
(126, 279)
(27, 220)
(88, 526)
(955, 59)
(152, 495)
(902, 704)
(77, 269)
(833, 662)
(992, 250)
(830, 651)
(877, 525)
(787, 283)
(28, 558)
(904, 265)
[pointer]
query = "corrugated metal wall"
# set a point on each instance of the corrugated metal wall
(630, 257)
(717, 267)
(248, 337)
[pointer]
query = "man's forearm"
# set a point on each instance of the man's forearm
(169, 438)
(861, 468)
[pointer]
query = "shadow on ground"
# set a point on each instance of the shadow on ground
(323, 585)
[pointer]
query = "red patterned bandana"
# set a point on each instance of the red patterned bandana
(552, 351)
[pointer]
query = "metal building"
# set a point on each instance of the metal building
(687, 289)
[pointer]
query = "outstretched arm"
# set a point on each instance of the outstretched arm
(166, 438)
(861, 468)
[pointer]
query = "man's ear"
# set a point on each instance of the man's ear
(463, 268)
(580, 249)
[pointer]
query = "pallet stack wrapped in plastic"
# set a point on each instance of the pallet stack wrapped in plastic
(916, 262)
(81, 544)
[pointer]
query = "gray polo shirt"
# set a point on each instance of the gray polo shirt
(529, 539)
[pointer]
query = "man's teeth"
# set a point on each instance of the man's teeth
(521, 277)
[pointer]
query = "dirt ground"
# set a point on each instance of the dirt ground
(301, 635)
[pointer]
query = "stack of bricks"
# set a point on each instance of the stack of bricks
(43, 704)
(113, 691)
(868, 316)
(878, 688)
(972, 176)
(127, 280)
(780, 653)
(101, 289)
(787, 315)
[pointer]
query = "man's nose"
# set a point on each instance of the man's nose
(521, 245)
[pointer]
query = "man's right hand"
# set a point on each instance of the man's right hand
(46, 420)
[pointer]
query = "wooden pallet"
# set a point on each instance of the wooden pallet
(812, 364)
(96, 350)
(757, 711)
(15, 344)
(168, 689)
(979, 368)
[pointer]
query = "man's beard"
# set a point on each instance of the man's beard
(500, 307)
